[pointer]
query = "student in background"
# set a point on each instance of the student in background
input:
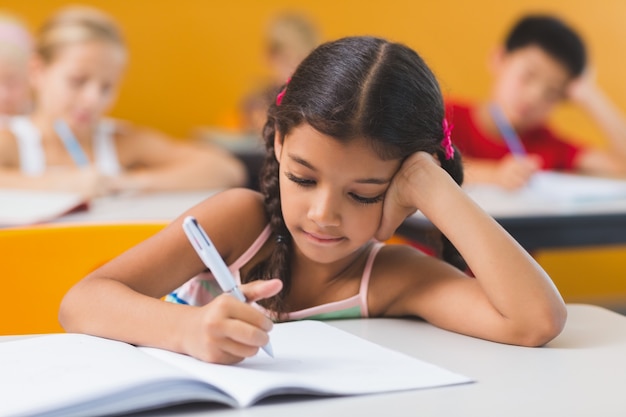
(290, 37)
(66, 144)
(542, 63)
(356, 141)
(16, 46)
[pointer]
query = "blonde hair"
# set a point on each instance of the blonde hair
(292, 34)
(16, 43)
(76, 24)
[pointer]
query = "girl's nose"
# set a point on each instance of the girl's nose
(324, 209)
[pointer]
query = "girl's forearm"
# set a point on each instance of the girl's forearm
(108, 308)
(515, 284)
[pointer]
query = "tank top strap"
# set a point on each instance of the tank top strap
(105, 152)
(365, 279)
(28, 137)
(252, 250)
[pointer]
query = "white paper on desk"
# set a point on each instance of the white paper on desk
(69, 374)
(575, 188)
(21, 207)
(549, 193)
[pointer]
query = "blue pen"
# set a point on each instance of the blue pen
(212, 260)
(509, 135)
(71, 143)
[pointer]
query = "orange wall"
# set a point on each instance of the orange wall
(191, 60)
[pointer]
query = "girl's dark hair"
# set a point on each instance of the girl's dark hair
(356, 87)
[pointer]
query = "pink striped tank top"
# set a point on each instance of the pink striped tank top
(201, 289)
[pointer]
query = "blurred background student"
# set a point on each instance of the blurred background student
(66, 144)
(16, 46)
(542, 63)
(289, 38)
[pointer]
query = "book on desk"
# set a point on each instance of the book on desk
(25, 207)
(72, 374)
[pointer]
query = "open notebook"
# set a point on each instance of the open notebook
(21, 207)
(75, 375)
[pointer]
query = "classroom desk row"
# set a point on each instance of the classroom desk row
(580, 373)
(137, 207)
(539, 221)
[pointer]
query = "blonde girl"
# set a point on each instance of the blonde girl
(66, 144)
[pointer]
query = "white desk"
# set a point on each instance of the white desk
(581, 373)
(137, 207)
(555, 216)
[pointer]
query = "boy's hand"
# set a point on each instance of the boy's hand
(582, 88)
(226, 330)
(514, 172)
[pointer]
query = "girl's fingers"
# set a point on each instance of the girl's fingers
(258, 290)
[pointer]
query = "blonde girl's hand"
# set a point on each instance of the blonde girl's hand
(85, 181)
(401, 199)
(226, 331)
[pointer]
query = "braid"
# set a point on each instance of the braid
(278, 264)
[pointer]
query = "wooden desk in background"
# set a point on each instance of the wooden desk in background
(580, 373)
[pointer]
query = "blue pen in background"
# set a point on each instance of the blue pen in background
(71, 143)
(509, 135)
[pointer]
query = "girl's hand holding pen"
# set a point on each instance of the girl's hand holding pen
(227, 330)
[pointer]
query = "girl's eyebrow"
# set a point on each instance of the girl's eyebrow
(373, 180)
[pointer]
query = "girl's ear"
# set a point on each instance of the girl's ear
(278, 145)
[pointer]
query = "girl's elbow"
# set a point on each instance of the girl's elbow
(544, 329)
(67, 315)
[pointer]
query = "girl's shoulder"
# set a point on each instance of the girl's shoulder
(234, 218)
(401, 271)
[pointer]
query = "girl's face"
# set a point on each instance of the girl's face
(80, 84)
(331, 192)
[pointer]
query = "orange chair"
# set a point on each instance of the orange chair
(39, 264)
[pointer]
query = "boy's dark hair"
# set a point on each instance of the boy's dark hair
(352, 88)
(553, 36)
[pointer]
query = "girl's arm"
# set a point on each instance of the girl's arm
(512, 300)
(155, 162)
(121, 300)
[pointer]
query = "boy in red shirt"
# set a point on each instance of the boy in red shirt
(542, 63)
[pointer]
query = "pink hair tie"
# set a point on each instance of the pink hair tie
(446, 142)
(279, 97)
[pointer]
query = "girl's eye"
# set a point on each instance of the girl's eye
(300, 181)
(367, 200)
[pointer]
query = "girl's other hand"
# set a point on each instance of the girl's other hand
(402, 194)
(226, 330)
